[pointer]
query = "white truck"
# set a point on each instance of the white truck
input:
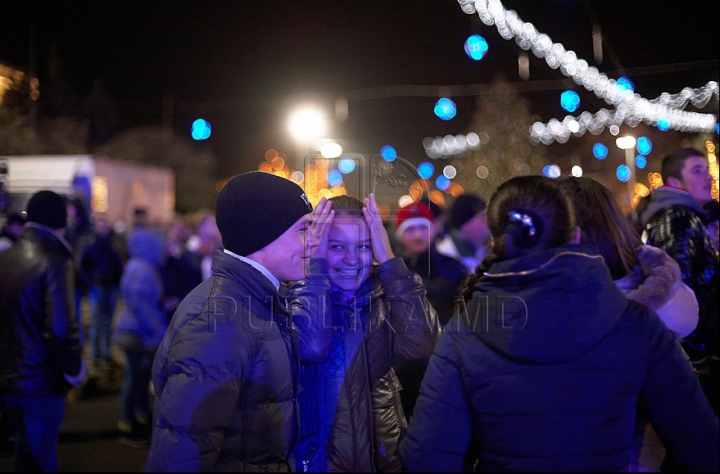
(111, 187)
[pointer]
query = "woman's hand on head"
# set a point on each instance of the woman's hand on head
(322, 219)
(382, 250)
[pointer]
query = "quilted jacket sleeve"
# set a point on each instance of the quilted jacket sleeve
(413, 319)
(311, 311)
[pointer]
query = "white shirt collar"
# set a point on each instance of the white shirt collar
(257, 267)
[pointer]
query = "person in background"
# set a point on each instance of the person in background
(354, 318)
(468, 240)
(181, 271)
(40, 347)
(645, 274)
(545, 368)
(225, 375)
(442, 277)
(712, 222)
(673, 222)
(101, 264)
(12, 231)
(205, 242)
(140, 328)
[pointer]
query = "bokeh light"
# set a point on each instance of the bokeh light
(570, 100)
(577, 171)
(334, 178)
(445, 108)
(623, 173)
(600, 151)
(663, 124)
(442, 183)
(552, 171)
(426, 170)
(625, 84)
(346, 165)
(476, 47)
(644, 145)
(388, 153)
(405, 200)
(200, 129)
(449, 172)
(640, 161)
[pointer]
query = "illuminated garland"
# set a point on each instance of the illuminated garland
(630, 108)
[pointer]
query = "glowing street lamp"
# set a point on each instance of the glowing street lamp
(305, 125)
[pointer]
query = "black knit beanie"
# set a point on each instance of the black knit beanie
(47, 208)
(465, 207)
(255, 208)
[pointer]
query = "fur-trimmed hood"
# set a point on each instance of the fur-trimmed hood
(656, 282)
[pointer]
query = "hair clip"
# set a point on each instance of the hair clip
(525, 220)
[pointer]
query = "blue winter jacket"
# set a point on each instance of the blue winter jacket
(141, 286)
(225, 377)
(544, 371)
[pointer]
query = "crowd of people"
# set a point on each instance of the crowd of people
(542, 330)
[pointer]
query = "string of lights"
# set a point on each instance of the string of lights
(663, 112)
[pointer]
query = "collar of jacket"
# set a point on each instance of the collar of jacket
(666, 196)
(250, 278)
(38, 232)
(538, 260)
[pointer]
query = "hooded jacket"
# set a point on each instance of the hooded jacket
(225, 377)
(673, 222)
(543, 372)
(39, 329)
(351, 416)
(141, 286)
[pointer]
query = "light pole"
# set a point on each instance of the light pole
(627, 143)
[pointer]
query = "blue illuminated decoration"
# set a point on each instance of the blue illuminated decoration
(442, 183)
(570, 100)
(623, 173)
(476, 47)
(626, 84)
(600, 151)
(388, 153)
(640, 161)
(346, 165)
(663, 124)
(644, 145)
(552, 171)
(445, 109)
(426, 170)
(334, 178)
(200, 129)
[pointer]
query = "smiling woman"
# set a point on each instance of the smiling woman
(349, 313)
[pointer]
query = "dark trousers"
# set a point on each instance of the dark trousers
(135, 393)
(35, 422)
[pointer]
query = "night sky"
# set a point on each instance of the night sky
(243, 64)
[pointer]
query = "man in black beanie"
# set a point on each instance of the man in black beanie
(225, 375)
(469, 238)
(40, 347)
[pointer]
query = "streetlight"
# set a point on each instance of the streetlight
(306, 124)
(627, 143)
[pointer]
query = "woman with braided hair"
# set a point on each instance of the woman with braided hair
(543, 367)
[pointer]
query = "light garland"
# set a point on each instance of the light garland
(630, 108)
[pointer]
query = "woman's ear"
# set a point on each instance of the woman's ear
(577, 236)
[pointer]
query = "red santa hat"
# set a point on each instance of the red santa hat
(412, 214)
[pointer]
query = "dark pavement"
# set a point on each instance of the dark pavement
(89, 437)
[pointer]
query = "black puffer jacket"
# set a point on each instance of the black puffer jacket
(351, 416)
(39, 330)
(673, 222)
(225, 377)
